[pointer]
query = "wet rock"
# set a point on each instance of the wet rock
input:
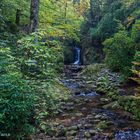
(64, 115)
(61, 131)
(128, 135)
(98, 116)
(73, 118)
(84, 109)
(96, 121)
(70, 138)
(93, 121)
(79, 126)
(121, 92)
(88, 125)
(72, 133)
(73, 128)
(78, 114)
(70, 104)
(86, 100)
(51, 132)
(80, 103)
(104, 99)
(89, 117)
(68, 108)
(113, 105)
(87, 134)
(92, 132)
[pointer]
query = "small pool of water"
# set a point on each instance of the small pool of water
(69, 84)
(87, 94)
(128, 135)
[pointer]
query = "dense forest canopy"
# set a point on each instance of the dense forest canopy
(39, 38)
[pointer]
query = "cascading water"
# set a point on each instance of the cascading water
(77, 56)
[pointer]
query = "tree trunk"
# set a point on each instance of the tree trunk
(65, 14)
(92, 16)
(34, 10)
(18, 14)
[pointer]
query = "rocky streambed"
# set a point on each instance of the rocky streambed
(88, 115)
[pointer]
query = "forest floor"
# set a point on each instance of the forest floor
(88, 115)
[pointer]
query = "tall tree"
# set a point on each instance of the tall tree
(18, 15)
(34, 10)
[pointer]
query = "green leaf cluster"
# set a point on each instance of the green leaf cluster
(38, 58)
(119, 52)
(16, 99)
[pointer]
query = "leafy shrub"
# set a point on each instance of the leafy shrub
(136, 31)
(106, 27)
(136, 71)
(120, 50)
(68, 55)
(92, 69)
(107, 86)
(131, 104)
(38, 58)
(16, 101)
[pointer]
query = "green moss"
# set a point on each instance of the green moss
(131, 104)
(102, 125)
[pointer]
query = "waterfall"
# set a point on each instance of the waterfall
(77, 56)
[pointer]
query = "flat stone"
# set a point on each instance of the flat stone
(73, 128)
(62, 131)
(88, 126)
(64, 115)
(84, 109)
(78, 114)
(71, 133)
(113, 105)
(104, 99)
(92, 132)
(97, 121)
(89, 117)
(98, 116)
(73, 118)
(79, 126)
(70, 104)
(87, 134)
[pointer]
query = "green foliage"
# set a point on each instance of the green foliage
(16, 100)
(106, 86)
(91, 55)
(106, 27)
(131, 104)
(104, 19)
(119, 52)
(102, 125)
(68, 54)
(38, 58)
(62, 19)
(24, 101)
(136, 72)
(9, 8)
(47, 102)
(92, 69)
(136, 31)
(103, 84)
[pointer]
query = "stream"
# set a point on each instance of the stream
(83, 117)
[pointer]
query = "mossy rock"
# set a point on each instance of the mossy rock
(102, 125)
(112, 105)
(87, 134)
